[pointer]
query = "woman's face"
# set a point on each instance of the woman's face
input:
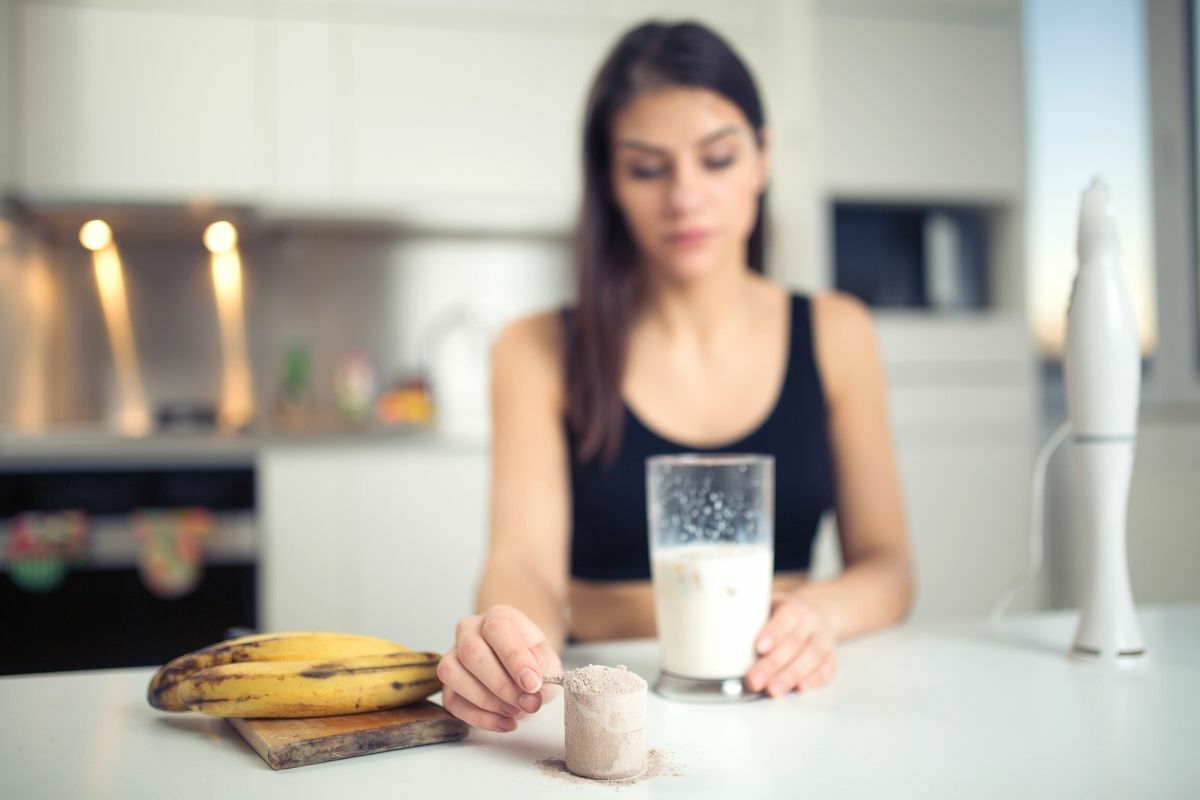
(686, 174)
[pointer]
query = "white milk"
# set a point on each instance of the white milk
(711, 601)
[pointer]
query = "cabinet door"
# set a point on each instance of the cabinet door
(921, 98)
(440, 114)
(378, 539)
(306, 159)
(119, 103)
(423, 528)
(967, 504)
(962, 403)
(7, 15)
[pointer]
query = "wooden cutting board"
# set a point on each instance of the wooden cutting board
(285, 743)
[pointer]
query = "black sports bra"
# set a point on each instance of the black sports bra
(609, 539)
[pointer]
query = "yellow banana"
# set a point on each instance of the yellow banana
(286, 646)
(312, 688)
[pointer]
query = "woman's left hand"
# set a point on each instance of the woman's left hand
(797, 649)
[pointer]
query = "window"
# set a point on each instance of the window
(1088, 114)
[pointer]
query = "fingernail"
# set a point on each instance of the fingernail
(529, 702)
(507, 724)
(764, 645)
(530, 680)
(510, 711)
(776, 689)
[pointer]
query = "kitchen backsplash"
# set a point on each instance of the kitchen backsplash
(398, 297)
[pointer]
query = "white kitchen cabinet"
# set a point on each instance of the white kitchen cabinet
(962, 398)
(967, 504)
(136, 103)
(458, 115)
(921, 102)
(384, 538)
(438, 114)
(7, 118)
(462, 115)
(306, 134)
(921, 99)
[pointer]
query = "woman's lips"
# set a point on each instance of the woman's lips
(689, 238)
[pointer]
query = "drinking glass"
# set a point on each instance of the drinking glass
(711, 526)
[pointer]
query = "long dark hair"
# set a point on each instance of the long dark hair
(652, 55)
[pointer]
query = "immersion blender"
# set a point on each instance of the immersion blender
(1102, 365)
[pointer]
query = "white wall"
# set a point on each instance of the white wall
(922, 102)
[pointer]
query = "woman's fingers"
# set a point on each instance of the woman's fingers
(769, 666)
(796, 648)
(502, 633)
(803, 666)
(820, 675)
(551, 664)
(475, 716)
(453, 674)
(476, 655)
(786, 616)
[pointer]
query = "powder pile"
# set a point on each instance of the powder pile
(605, 715)
(596, 679)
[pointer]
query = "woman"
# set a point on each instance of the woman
(678, 343)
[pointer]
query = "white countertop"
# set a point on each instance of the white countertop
(918, 711)
(95, 448)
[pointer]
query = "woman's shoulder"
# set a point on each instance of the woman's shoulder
(839, 313)
(836, 316)
(537, 335)
(843, 338)
(529, 352)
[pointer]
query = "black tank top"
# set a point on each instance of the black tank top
(609, 540)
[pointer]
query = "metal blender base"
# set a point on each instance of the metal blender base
(1085, 653)
(703, 690)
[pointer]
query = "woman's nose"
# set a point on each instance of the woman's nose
(684, 192)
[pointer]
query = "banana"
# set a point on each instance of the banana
(279, 689)
(287, 646)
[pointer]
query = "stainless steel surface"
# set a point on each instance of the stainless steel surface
(83, 449)
(329, 291)
(698, 690)
(331, 288)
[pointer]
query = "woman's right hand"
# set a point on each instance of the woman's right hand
(495, 670)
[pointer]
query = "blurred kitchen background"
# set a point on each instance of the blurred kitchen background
(286, 426)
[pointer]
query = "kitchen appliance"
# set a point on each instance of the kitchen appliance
(1102, 367)
(1102, 370)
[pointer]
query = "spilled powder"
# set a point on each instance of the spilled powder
(657, 765)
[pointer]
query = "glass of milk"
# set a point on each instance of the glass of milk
(711, 524)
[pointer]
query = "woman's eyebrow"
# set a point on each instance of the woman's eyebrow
(640, 145)
(709, 138)
(718, 134)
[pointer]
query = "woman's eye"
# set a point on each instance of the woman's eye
(642, 172)
(718, 163)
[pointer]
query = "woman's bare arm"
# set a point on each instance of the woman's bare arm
(527, 556)
(494, 672)
(876, 586)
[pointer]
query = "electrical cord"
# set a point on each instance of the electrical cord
(1037, 540)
